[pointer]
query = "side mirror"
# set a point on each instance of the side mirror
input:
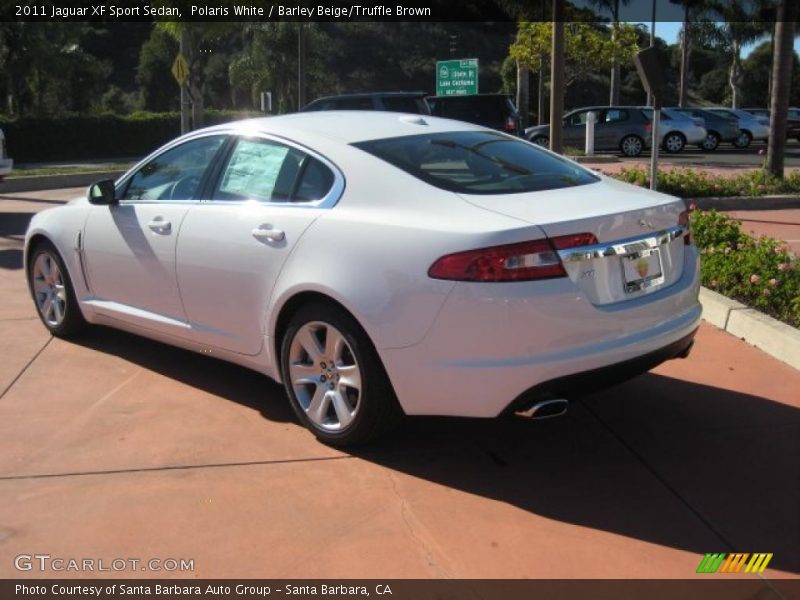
(102, 193)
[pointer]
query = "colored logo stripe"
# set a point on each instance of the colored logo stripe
(733, 563)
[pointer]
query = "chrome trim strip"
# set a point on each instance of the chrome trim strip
(625, 247)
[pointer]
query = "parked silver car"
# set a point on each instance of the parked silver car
(676, 130)
(719, 128)
(6, 164)
(622, 128)
(750, 127)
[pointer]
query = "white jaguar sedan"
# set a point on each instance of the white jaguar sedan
(378, 264)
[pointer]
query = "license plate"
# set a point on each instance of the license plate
(642, 270)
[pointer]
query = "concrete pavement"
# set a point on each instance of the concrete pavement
(114, 446)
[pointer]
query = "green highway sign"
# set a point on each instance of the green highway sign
(457, 77)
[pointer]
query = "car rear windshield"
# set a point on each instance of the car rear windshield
(478, 162)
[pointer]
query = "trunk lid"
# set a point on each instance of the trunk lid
(640, 247)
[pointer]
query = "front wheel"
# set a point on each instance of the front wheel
(631, 145)
(711, 142)
(541, 140)
(744, 139)
(53, 293)
(335, 380)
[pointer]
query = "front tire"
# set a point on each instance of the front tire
(335, 381)
(541, 140)
(631, 145)
(53, 292)
(711, 142)
(744, 139)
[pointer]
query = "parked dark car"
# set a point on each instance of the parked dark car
(490, 110)
(624, 128)
(404, 102)
(792, 120)
(718, 128)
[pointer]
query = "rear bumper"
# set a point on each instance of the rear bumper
(490, 344)
(6, 164)
(570, 386)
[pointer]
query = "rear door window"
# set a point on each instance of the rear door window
(615, 115)
(353, 104)
(478, 162)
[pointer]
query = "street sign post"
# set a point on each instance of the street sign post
(457, 77)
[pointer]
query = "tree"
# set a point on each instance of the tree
(588, 47)
(783, 56)
(757, 69)
(157, 87)
(741, 26)
(613, 7)
(686, 39)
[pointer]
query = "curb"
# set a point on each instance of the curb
(745, 202)
(52, 182)
(600, 159)
(777, 339)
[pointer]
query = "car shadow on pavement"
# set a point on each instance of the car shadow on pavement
(666, 461)
(662, 460)
(12, 229)
(226, 380)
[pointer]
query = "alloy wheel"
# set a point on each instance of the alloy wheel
(325, 376)
(49, 289)
(631, 146)
(673, 143)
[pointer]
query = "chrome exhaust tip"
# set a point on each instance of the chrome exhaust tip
(546, 409)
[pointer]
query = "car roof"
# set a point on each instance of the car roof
(348, 126)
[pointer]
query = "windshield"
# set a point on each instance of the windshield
(478, 162)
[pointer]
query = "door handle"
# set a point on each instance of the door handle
(269, 234)
(159, 225)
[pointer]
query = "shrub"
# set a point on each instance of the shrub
(34, 139)
(761, 272)
(689, 183)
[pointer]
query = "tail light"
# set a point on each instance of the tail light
(648, 127)
(683, 221)
(511, 124)
(524, 261)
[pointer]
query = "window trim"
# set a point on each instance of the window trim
(215, 168)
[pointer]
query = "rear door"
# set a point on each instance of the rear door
(232, 248)
(575, 128)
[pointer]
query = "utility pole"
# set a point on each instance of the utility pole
(557, 78)
(652, 44)
(301, 66)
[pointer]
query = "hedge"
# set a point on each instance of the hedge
(40, 139)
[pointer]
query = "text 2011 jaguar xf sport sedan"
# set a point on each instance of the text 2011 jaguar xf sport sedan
(378, 264)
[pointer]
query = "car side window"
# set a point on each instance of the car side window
(315, 183)
(353, 104)
(615, 115)
(579, 118)
(259, 170)
(175, 174)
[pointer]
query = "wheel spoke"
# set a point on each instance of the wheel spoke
(301, 373)
(58, 309)
(334, 344)
(308, 340)
(40, 285)
(350, 376)
(318, 406)
(47, 308)
(343, 412)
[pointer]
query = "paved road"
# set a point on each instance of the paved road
(727, 155)
(113, 446)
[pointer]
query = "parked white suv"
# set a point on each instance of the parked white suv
(5, 163)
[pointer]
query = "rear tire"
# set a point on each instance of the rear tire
(674, 142)
(334, 378)
(53, 293)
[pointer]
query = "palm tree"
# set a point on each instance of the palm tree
(613, 7)
(686, 39)
(782, 58)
